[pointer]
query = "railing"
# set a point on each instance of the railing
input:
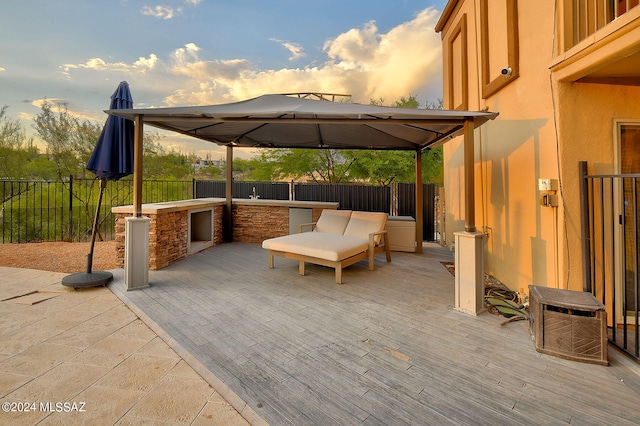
(611, 233)
(395, 200)
(350, 196)
(588, 16)
(64, 211)
(407, 207)
(371, 198)
(242, 189)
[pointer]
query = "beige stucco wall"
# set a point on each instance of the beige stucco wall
(512, 153)
(586, 126)
(544, 129)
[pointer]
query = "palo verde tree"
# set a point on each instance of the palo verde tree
(316, 165)
(388, 167)
(69, 140)
(162, 164)
(15, 150)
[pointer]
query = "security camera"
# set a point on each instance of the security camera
(506, 72)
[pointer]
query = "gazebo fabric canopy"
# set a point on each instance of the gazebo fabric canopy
(279, 121)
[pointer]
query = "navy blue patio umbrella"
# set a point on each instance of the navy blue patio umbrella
(112, 159)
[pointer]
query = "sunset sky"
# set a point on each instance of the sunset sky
(199, 52)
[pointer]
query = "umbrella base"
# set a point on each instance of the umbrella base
(84, 279)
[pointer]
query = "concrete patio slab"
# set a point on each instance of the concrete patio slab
(83, 357)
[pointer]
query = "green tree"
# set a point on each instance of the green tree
(56, 129)
(317, 165)
(84, 140)
(243, 169)
(160, 164)
(383, 167)
(40, 167)
(15, 150)
(210, 172)
(433, 166)
(386, 167)
(264, 169)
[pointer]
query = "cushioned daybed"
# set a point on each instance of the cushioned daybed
(340, 238)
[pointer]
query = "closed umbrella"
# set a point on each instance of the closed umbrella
(112, 159)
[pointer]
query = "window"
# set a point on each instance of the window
(458, 67)
(499, 41)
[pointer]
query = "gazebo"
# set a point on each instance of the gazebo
(280, 121)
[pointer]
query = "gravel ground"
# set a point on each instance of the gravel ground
(58, 256)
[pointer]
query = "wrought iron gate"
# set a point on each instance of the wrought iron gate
(610, 237)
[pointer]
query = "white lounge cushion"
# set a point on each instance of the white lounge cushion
(361, 224)
(333, 221)
(320, 245)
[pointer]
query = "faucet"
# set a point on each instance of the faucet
(254, 196)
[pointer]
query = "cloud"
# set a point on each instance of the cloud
(72, 108)
(163, 12)
(185, 61)
(390, 65)
(356, 47)
(297, 51)
(142, 65)
(362, 62)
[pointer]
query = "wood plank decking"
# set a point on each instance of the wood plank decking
(384, 348)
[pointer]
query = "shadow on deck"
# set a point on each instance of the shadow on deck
(384, 348)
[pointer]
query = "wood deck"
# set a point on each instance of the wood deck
(386, 347)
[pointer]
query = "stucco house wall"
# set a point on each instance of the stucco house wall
(586, 127)
(548, 122)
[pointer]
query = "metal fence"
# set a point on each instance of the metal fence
(63, 211)
(610, 249)
(35, 211)
(350, 196)
(396, 200)
(407, 207)
(242, 189)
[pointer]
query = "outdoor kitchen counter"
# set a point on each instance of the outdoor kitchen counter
(178, 229)
(169, 206)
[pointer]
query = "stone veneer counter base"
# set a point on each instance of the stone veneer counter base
(170, 233)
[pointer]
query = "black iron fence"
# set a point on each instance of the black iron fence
(63, 211)
(610, 238)
(407, 206)
(35, 211)
(350, 196)
(242, 189)
(396, 200)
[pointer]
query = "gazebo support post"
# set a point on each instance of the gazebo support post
(228, 208)
(469, 259)
(136, 249)
(419, 201)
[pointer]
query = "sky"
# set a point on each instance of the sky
(203, 52)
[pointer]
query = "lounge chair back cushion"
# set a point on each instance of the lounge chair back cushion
(333, 221)
(361, 224)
